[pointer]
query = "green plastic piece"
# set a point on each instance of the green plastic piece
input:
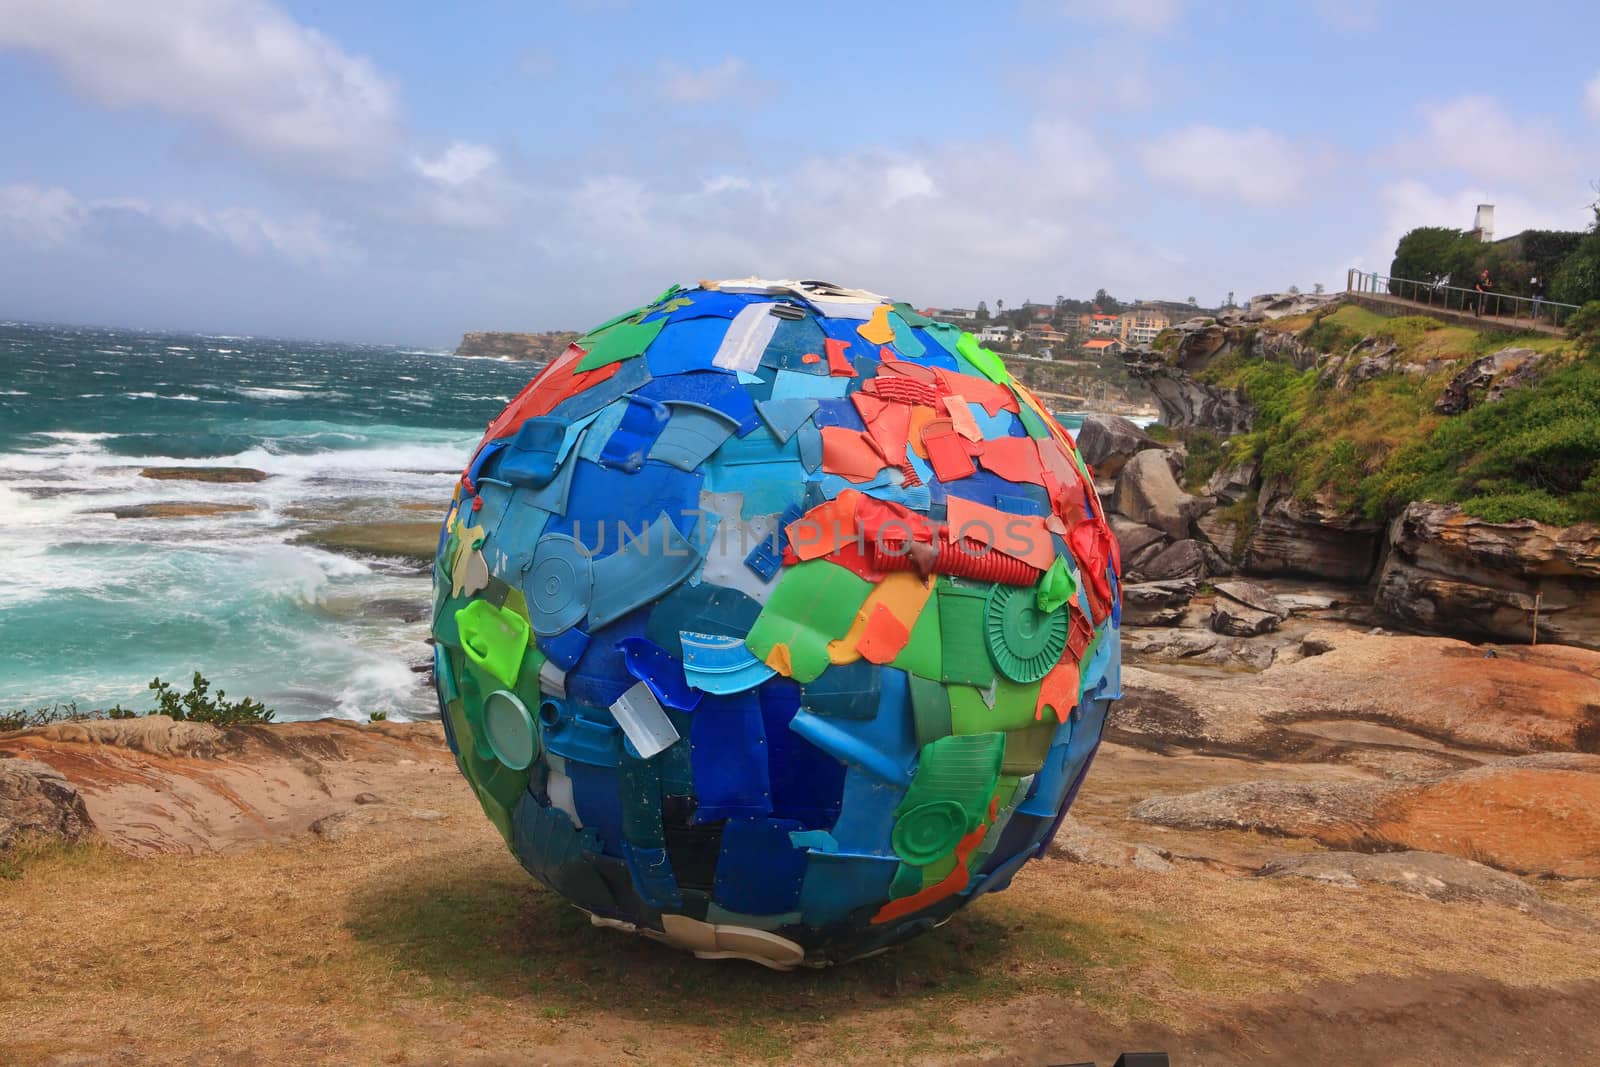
(1010, 706)
(815, 602)
(922, 654)
(947, 335)
(493, 639)
(911, 315)
(961, 625)
(938, 870)
(625, 340)
(907, 880)
(930, 709)
(1056, 587)
(928, 831)
(1026, 748)
(510, 731)
(983, 361)
(497, 786)
(1024, 641)
(1031, 422)
(527, 688)
(953, 774)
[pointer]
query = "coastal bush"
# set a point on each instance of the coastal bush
(197, 705)
(1205, 455)
(61, 711)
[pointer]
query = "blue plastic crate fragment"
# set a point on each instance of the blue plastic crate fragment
(759, 872)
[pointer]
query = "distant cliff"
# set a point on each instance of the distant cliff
(539, 347)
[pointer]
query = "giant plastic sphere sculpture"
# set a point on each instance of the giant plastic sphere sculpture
(775, 620)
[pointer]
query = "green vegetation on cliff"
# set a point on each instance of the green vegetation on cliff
(1375, 443)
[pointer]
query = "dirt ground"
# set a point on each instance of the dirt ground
(330, 894)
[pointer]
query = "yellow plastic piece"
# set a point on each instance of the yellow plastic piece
(877, 330)
(902, 592)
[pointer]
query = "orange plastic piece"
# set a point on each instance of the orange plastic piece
(994, 397)
(883, 638)
(887, 423)
(901, 595)
(1023, 537)
(810, 357)
(961, 417)
(953, 883)
(778, 660)
(1016, 459)
(1059, 690)
(920, 417)
(825, 527)
(838, 365)
(851, 453)
(886, 355)
(877, 330)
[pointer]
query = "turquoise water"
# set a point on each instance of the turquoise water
(92, 606)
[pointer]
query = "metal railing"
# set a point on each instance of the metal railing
(1512, 310)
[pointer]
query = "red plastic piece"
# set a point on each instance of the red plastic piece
(947, 451)
(887, 423)
(825, 527)
(477, 503)
(994, 397)
(1016, 459)
(852, 454)
(1091, 544)
(810, 357)
(905, 390)
(550, 387)
(838, 365)
(953, 883)
(1023, 537)
(884, 636)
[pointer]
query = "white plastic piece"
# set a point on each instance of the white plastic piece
(718, 942)
(646, 726)
(552, 680)
(731, 543)
(746, 339)
(559, 786)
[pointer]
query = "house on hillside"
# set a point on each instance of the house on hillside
(1100, 347)
(1100, 325)
(994, 333)
(955, 316)
(1142, 323)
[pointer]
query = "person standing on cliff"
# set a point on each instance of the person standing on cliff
(1484, 287)
(1536, 287)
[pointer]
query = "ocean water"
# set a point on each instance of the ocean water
(93, 606)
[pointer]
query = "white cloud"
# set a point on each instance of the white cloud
(1092, 80)
(52, 217)
(1255, 165)
(243, 69)
(706, 85)
(1154, 15)
(1475, 134)
(1591, 97)
(460, 163)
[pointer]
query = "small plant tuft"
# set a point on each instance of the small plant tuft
(197, 705)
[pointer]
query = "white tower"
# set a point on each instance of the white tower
(1483, 222)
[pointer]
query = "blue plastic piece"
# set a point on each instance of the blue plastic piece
(810, 438)
(640, 571)
(934, 353)
(602, 675)
(634, 373)
(444, 677)
(643, 420)
(784, 417)
(511, 550)
(837, 883)
(714, 663)
(1002, 424)
(789, 384)
(685, 344)
(717, 389)
(807, 783)
(850, 330)
(704, 608)
(485, 454)
(531, 457)
(866, 813)
(727, 747)
(652, 876)
(578, 738)
(838, 412)
(987, 488)
(559, 586)
(495, 497)
(844, 691)
(885, 745)
(886, 486)
(708, 303)
(694, 432)
(592, 516)
(650, 663)
(558, 854)
(759, 871)
(595, 795)
(764, 470)
(565, 648)
(793, 341)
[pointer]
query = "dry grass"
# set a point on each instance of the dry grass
(424, 942)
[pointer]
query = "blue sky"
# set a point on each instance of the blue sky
(402, 172)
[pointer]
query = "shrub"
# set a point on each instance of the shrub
(197, 705)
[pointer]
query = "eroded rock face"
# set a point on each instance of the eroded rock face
(36, 800)
(1451, 573)
(1148, 493)
(1181, 559)
(1188, 404)
(1488, 379)
(1106, 442)
(1157, 603)
(1311, 539)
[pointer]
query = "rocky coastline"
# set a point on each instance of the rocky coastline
(531, 347)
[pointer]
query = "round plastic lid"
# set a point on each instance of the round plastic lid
(510, 731)
(928, 831)
(1023, 641)
(559, 585)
